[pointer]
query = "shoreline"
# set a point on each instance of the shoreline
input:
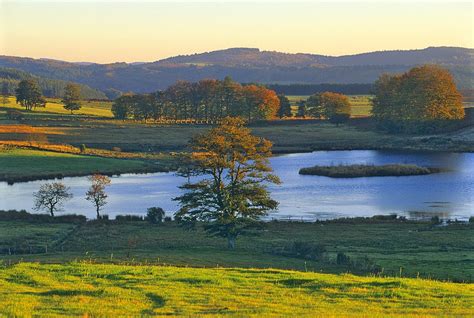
(155, 169)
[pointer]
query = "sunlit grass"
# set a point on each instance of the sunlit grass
(80, 289)
(54, 105)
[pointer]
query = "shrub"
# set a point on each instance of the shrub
(435, 220)
(82, 148)
(128, 218)
(342, 259)
(44, 218)
(168, 219)
(301, 249)
(471, 219)
(155, 215)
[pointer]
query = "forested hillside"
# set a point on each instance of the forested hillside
(49, 87)
(247, 65)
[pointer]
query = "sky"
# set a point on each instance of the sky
(130, 31)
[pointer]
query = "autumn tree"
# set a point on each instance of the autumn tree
(28, 94)
(72, 96)
(336, 107)
(96, 193)
(230, 192)
(285, 106)
(208, 100)
(51, 197)
(423, 94)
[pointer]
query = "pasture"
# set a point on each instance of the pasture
(385, 246)
(23, 164)
(89, 290)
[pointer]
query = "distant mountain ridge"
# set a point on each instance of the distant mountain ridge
(249, 65)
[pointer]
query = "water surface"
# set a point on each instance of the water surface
(448, 194)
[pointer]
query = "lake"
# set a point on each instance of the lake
(448, 194)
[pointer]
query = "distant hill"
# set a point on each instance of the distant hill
(49, 87)
(249, 65)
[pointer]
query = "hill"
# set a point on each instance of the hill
(95, 290)
(249, 65)
(50, 87)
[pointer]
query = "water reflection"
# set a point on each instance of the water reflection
(309, 197)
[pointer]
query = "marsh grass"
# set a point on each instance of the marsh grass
(359, 170)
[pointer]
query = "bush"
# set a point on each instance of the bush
(435, 220)
(168, 219)
(471, 219)
(300, 249)
(342, 259)
(82, 148)
(11, 215)
(155, 215)
(129, 218)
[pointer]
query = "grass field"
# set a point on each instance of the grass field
(93, 290)
(28, 164)
(414, 249)
(54, 105)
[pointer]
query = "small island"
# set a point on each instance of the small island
(359, 170)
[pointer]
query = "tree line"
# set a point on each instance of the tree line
(208, 100)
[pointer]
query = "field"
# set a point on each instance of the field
(413, 249)
(54, 105)
(18, 164)
(90, 290)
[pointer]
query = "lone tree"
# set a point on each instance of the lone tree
(230, 194)
(285, 107)
(155, 215)
(96, 193)
(424, 93)
(51, 197)
(28, 95)
(72, 95)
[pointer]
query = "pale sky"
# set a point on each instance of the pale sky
(128, 31)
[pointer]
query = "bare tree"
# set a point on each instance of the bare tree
(51, 197)
(96, 193)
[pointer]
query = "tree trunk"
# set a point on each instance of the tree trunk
(231, 242)
(51, 211)
(98, 214)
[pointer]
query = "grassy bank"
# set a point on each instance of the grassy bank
(18, 164)
(386, 247)
(358, 171)
(80, 289)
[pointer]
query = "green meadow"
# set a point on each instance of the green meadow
(18, 164)
(97, 290)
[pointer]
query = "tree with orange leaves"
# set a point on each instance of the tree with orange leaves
(230, 194)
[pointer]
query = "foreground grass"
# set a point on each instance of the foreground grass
(26, 164)
(80, 289)
(410, 249)
(357, 171)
